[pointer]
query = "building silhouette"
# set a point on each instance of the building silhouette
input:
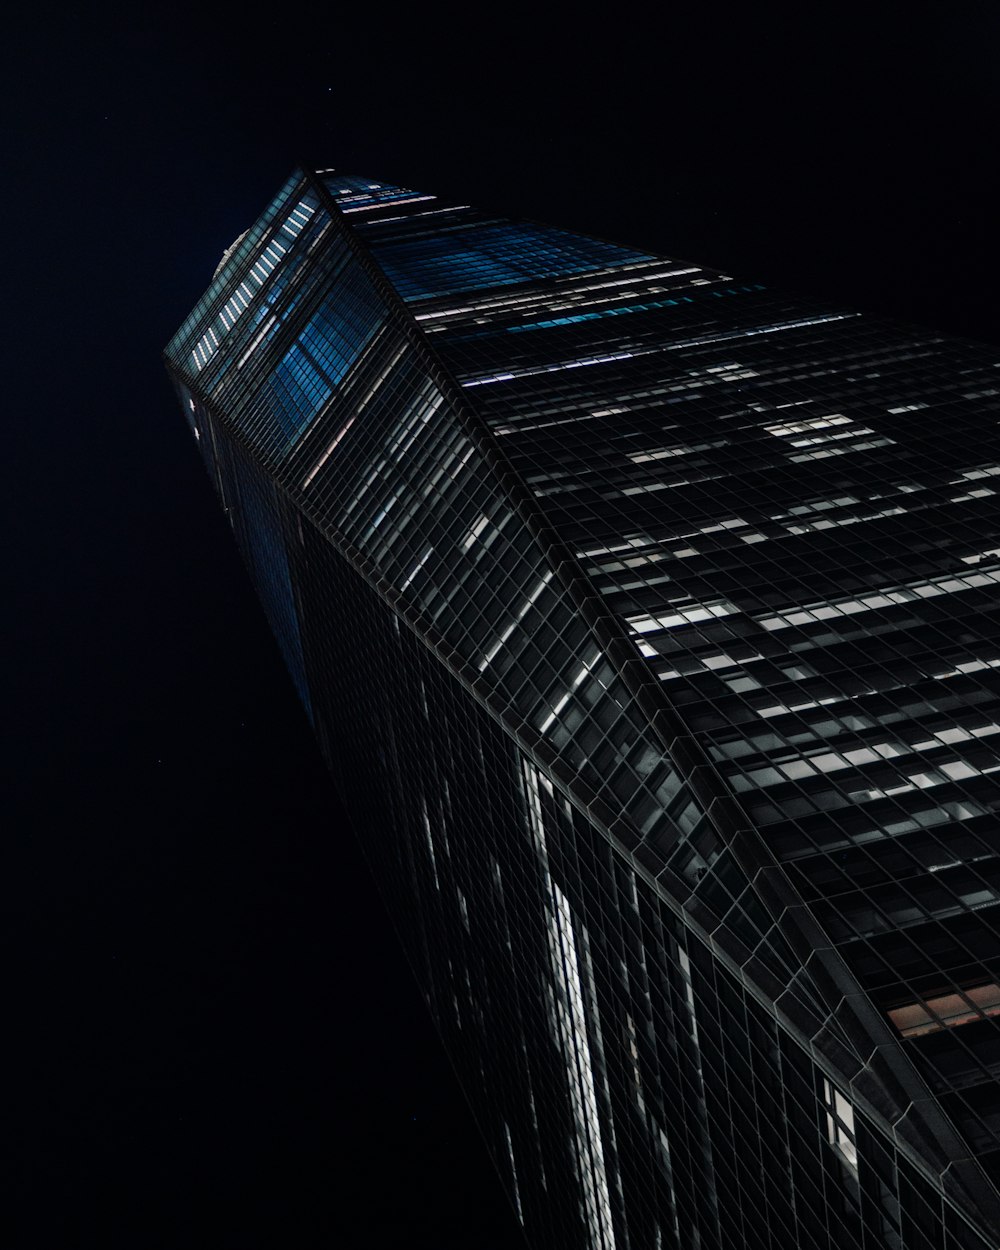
(650, 622)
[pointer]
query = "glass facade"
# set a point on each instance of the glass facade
(649, 620)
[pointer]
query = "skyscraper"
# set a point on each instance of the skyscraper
(650, 622)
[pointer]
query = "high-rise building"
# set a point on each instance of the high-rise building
(650, 621)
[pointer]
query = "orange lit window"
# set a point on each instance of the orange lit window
(948, 1011)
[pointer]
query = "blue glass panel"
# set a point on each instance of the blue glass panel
(493, 255)
(324, 350)
(621, 310)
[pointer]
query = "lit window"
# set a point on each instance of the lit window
(840, 1130)
(947, 1011)
(474, 533)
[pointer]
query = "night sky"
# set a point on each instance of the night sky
(212, 1038)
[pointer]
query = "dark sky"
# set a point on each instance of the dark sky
(214, 1040)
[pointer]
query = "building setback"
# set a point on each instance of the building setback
(650, 622)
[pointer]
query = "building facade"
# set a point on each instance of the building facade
(650, 622)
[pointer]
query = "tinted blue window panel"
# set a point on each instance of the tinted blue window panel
(301, 390)
(488, 256)
(340, 331)
(350, 185)
(326, 348)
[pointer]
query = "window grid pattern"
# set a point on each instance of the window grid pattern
(470, 855)
(789, 507)
(704, 409)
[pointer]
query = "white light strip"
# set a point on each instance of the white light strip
(745, 334)
(568, 1022)
(491, 654)
(560, 704)
(329, 451)
(694, 613)
(570, 364)
(416, 568)
(906, 592)
(580, 1069)
(387, 369)
(474, 533)
(513, 1172)
(266, 261)
(428, 212)
(369, 394)
(258, 338)
(388, 203)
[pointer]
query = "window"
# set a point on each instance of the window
(947, 1011)
(840, 1124)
